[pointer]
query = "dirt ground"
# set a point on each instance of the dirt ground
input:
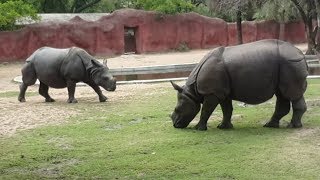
(16, 116)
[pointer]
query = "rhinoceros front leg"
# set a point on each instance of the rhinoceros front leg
(210, 102)
(71, 85)
(97, 89)
(282, 109)
(227, 109)
(299, 107)
(43, 91)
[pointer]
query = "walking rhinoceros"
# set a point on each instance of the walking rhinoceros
(60, 68)
(250, 73)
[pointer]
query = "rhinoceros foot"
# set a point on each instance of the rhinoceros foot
(21, 99)
(225, 126)
(201, 127)
(294, 125)
(272, 124)
(72, 100)
(50, 100)
(103, 98)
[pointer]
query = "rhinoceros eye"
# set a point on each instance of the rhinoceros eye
(105, 77)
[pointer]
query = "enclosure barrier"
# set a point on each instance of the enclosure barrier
(163, 73)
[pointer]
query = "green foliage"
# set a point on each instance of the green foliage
(70, 6)
(12, 11)
(9, 94)
(279, 10)
(165, 6)
(227, 10)
(203, 10)
(102, 7)
(111, 5)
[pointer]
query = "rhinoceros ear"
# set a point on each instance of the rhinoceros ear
(105, 61)
(176, 87)
(96, 63)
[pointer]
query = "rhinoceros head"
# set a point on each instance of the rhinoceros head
(102, 77)
(186, 108)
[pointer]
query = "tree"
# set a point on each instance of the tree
(308, 12)
(230, 7)
(63, 6)
(198, 2)
(12, 11)
(278, 10)
(165, 6)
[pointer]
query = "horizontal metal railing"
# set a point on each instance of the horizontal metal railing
(174, 68)
(312, 63)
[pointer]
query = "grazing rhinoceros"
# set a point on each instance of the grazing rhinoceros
(250, 73)
(60, 68)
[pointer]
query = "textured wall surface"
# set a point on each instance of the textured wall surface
(153, 33)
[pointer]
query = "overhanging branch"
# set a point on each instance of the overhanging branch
(85, 6)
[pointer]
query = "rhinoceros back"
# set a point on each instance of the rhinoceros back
(252, 72)
(210, 75)
(47, 63)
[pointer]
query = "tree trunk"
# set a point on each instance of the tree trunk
(239, 26)
(317, 40)
(282, 31)
(311, 33)
(307, 19)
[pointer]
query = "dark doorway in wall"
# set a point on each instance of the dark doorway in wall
(130, 40)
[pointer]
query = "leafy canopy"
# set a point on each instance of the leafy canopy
(12, 11)
(282, 11)
(165, 6)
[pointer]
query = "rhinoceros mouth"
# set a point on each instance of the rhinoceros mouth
(177, 125)
(177, 122)
(111, 89)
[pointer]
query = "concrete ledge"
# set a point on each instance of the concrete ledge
(154, 69)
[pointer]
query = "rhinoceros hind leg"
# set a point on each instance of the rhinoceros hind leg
(209, 104)
(28, 78)
(43, 91)
(227, 109)
(22, 93)
(282, 109)
(299, 108)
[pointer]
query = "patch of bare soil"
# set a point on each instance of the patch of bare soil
(15, 116)
(7, 73)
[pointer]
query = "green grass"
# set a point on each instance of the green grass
(134, 139)
(9, 94)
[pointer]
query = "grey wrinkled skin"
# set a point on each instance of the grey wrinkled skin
(251, 73)
(60, 68)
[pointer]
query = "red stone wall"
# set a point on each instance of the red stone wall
(154, 33)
